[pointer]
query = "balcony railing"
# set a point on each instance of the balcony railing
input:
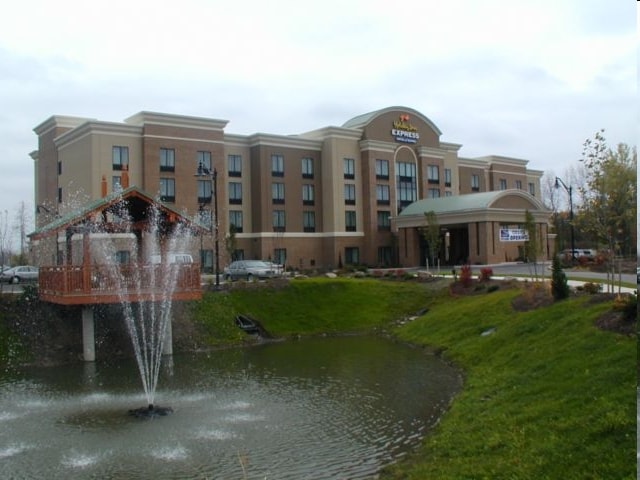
(78, 284)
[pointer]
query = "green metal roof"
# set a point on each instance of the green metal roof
(458, 203)
(138, 199)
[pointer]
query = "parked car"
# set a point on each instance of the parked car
(22, 273)
(249, 270)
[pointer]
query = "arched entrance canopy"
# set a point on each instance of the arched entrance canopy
(482, 227)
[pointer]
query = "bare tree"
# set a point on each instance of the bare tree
(6, 238)
(22, 223)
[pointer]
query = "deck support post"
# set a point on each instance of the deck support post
(88, 334)
(167, 347)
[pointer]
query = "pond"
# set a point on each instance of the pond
(321, 408)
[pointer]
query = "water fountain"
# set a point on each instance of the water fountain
(147, 321)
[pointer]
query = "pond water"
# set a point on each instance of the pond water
(312, 409)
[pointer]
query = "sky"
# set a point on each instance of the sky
(530, 80)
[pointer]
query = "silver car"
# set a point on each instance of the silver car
(249, 270)
(22, 273)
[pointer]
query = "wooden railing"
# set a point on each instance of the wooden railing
(76, 284)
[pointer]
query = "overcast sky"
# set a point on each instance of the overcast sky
(526, 79)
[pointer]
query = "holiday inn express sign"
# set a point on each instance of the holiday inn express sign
(403, 131)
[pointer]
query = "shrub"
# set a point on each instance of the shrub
(465, 275)
(493, 288)
(592, 288)
(559, 285)
(485, 274)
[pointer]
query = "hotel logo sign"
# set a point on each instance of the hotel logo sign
(403, 131)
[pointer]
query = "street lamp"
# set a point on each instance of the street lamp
(205, 172)
(569, 190)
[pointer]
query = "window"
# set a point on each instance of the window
(532, 189)
(350, 221)
(406, 184)
(205, 218)
(349, 168)
(433, 174)
(123, 256)
(119, 157)
(519, 184)
(204, 159)
(204, 191)
(280, 256)
(384, 256)
(308, 195)
(277, 165)
(433, 193)
(167, 160)
(235, 165)
(167, 190)
(59, 168)
(206, 261)
(235, 193)
(448, 193)
(59, 194)
(384, 221)
(351, 255)
(349, 194)
(277, 193)
(309, 221)
(307, 167)
(447, 177)
(116, 183)
(235, 219)
(278, 221)
(503, 184)
(475, 183)
(382, 169)
(382, 195)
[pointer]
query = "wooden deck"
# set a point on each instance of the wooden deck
(97, 284)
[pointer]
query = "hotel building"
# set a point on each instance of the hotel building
(351, 194)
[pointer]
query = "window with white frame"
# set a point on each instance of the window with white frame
(234, 164)
(307, 167)
(235, 193)
(308, 194)
(119, 157)
(475, 183)
(279, 221)
(383, 194)
(277, 165)
(235, 219)
(382, 169)
(204, 191)
(503, 184)
(406, 184)
(167, 160)
(167, 190)
(350, 221)
(384, 220)
(349, 194)
(349, 168)
(277, 193)
(433, 174)
(309, 221)
(447, 177)
(204, 158)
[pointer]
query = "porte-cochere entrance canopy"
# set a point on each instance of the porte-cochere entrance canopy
(77, 277)
(475, 228)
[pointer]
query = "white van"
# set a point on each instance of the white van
(179, 258)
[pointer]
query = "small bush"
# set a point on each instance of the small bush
(592, 288)
(559, 285)
(485, 274)
(493, 288)
(466, 276)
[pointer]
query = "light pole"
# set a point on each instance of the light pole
(205, 172)
(569, 190)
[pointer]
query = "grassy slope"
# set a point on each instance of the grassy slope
(546, 396)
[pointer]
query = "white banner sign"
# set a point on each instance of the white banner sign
(513, 235)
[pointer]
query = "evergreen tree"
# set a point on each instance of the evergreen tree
(559, 285)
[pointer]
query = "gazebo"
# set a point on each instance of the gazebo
(80, 277)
